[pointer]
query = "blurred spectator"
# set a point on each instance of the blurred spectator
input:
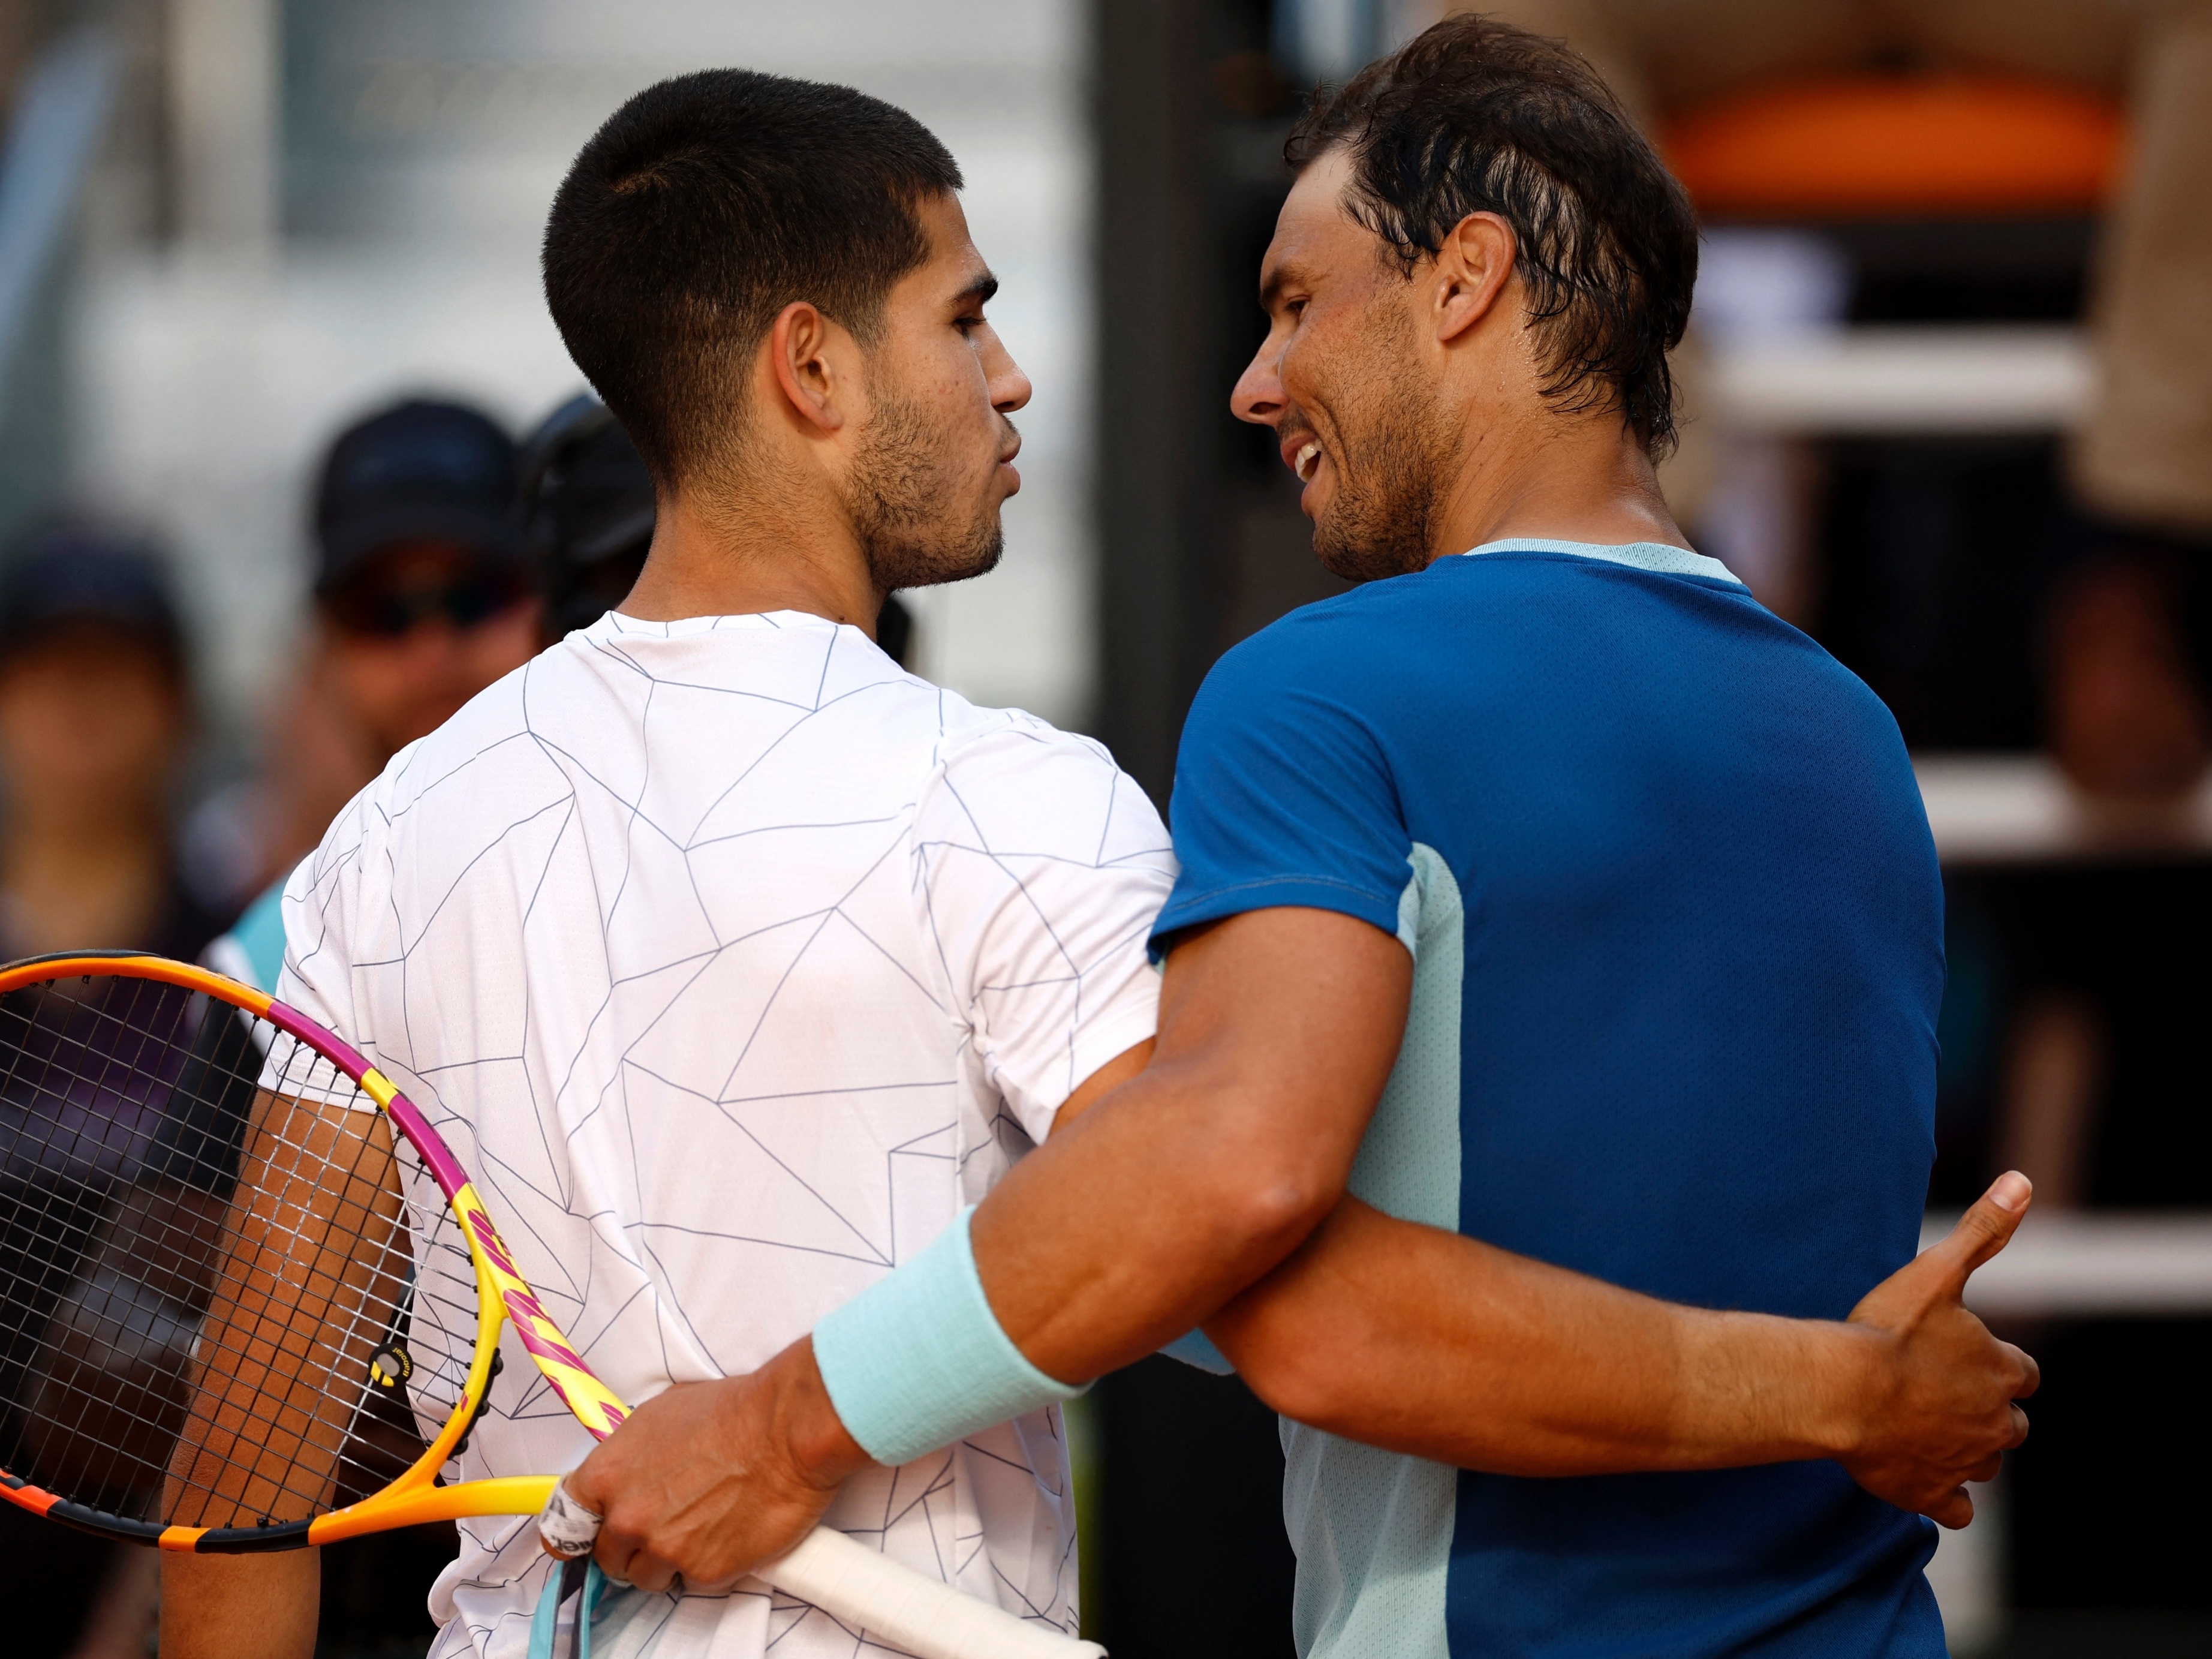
(2127, 708)
(423, 598)
(2145, 458)
(95, 708)
(422, 589)
(587, 513)
(95, 711)
(587, 516)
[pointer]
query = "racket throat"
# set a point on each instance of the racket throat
(476, 1409)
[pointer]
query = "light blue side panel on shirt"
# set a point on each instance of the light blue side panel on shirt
(1196, 1348)
(1373, 1529)
(253, 949)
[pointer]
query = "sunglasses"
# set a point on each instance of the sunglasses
(390, 609)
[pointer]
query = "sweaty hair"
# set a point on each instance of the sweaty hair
(700, 209)
(1476, 116)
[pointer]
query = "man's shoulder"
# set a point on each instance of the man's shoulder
(1003, 777)
(1318, 643)
(972, 738)
(1472, 626)
(1311, 668)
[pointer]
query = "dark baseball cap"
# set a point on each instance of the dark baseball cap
(587, 495)
(70, 571)
(420, 470)
(587, 508)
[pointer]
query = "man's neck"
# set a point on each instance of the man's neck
(1577, 478)
(743, 558)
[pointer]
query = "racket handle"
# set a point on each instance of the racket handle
(907, 1610)
(901, 1607)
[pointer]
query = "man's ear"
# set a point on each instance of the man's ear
(804, 357)
(1472, 269)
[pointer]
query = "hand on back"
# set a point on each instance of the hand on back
(1945, 1411)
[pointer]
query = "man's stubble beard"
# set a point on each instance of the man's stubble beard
(896, 498)
(1396, 460)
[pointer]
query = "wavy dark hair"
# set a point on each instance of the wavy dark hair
(1477, 116)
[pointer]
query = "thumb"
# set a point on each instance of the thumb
(1982, 1230)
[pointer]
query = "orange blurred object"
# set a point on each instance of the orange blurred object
(1900, 145)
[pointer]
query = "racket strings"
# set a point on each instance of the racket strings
(72, 1128)
(208, 1238)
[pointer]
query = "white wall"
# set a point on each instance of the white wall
(210, 372)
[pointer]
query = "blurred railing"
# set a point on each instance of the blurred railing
(2075, 1265)
(2019, 809)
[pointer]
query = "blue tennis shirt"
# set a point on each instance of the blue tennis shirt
(1677, 932)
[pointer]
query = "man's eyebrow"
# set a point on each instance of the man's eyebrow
(978, 292)
(1273, 282)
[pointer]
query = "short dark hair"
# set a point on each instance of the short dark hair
(700, 209)
(1476, 116)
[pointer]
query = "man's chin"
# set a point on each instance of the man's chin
(1361, 558)
(915, 567)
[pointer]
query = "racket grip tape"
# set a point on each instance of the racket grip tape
(907, 1610)
(567, 1528)
(901, 1607)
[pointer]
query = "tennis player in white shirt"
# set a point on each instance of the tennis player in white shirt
(736, 962)
(734, 958)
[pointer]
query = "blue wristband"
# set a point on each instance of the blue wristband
(918, 1360)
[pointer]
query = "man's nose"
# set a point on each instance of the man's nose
(1010, 387)
(1010, 392)
(1258, 395)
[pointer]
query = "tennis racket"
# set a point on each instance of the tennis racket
(249, 1300)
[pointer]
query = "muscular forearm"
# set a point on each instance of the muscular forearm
(1428, 1343)
(1186, 1183)
(1129, 1227)
(240, 1607)
(1193, 1176)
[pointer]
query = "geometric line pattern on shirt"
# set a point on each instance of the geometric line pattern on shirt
(732, 960)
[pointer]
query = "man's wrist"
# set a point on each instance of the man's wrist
(1848, 1367)
(820, 1449)
(919, 1360)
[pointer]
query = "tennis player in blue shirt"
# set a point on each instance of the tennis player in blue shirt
(1546, 1062)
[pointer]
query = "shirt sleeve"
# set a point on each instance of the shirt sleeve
(1040, 867)
(1283, 793)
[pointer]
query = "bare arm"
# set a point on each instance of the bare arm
(303, 1251)
(1127, 1228)
(1425, 1342)
(1185, 1187)
(1140, 1216)
(240, 1607)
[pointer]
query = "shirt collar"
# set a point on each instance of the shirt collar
(1658, 556)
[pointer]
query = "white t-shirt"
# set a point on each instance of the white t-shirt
(732, 960)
